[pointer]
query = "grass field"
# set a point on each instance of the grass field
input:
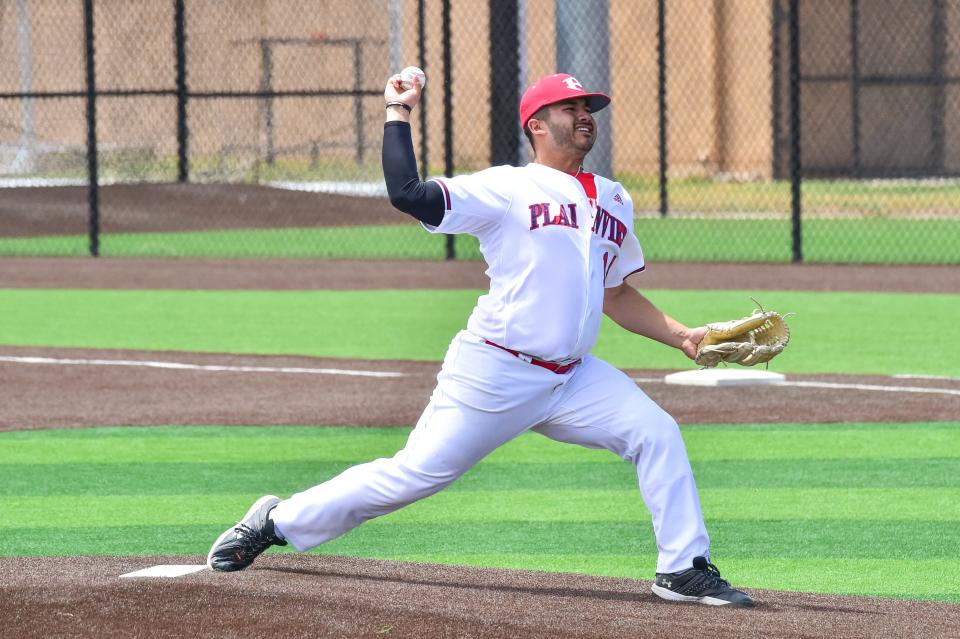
(864, 240)
(418, 324)
(840, 508)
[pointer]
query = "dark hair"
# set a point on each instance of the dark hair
(541, 114)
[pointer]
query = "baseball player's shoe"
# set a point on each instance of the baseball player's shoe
(239, 545)
(701, 584)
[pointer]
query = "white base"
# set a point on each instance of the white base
(168, 570)
(724, 377)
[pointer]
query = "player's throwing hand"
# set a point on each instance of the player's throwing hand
(395, 94)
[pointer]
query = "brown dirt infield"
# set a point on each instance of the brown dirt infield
(108, 395)
(310, 596)
(294, 596)
(160, 273)
(127, 208)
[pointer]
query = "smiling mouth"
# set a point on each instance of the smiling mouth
(584, 129)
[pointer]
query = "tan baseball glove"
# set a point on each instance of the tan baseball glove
(748, 341)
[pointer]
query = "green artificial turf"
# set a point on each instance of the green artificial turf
(838, 332)
(825, 508)
(857, 240)
(860, 240)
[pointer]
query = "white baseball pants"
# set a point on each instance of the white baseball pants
(484, 398)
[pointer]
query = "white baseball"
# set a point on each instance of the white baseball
(407, 76)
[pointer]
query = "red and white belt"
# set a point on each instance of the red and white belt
(554, 367)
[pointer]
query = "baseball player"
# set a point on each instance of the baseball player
(559, 245)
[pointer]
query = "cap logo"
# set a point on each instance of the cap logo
(573, 84)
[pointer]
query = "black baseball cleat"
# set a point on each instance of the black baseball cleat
(701, 584)
(239, 545)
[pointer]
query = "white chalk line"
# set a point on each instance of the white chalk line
(197, 367)
(939, 377)
(874, 387)
(836, 385)
(362, 373)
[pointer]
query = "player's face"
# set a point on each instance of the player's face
(572, 126)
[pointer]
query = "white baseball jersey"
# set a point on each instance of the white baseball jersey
(562, 248)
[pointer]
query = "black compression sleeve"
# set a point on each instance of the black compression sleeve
(422, 200)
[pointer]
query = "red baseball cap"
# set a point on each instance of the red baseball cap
(558, 87)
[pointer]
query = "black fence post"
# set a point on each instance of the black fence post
(183, 135)
(504, 90)
(938, 71)
(358, 98)
(92, 177)
(662, 103)
(447, 112)
(855, 84)
(266, 86)
(422, 60)
(795, 167)
(776, 89)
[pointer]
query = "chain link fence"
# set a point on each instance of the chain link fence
(757, 130)
(42, 128)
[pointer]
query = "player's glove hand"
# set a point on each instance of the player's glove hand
(747, 341)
